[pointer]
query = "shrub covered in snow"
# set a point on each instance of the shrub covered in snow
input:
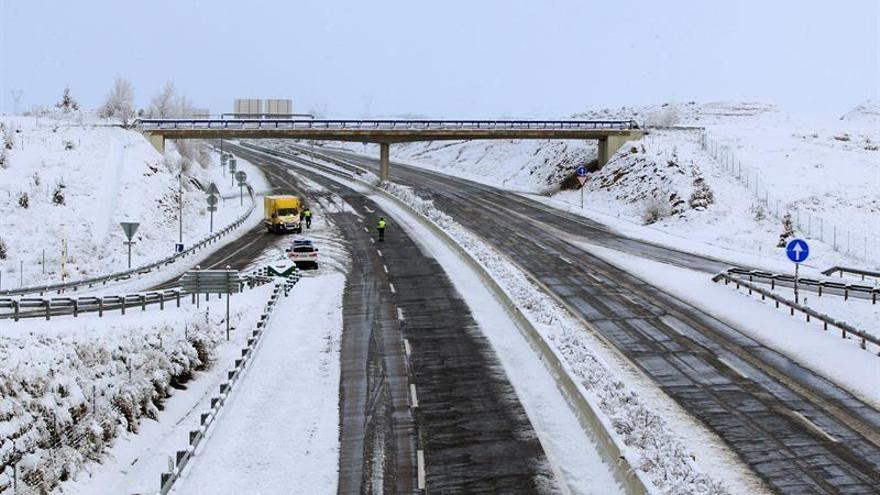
(68, 103)
(787, 230)
(65, 396)
(24, 200)
(4, 251)
(702, 196)
(655, 208)
(58, 194)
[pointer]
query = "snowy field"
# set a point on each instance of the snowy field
(108, 175)
(758, 162)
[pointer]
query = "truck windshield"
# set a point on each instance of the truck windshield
(283, 212)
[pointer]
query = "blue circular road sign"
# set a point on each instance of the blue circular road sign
(581, 171)
(797, 250)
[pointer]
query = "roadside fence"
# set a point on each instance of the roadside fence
(858, 244)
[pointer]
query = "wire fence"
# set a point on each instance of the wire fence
(844, 239)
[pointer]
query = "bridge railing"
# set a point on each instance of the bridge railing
(195, 124)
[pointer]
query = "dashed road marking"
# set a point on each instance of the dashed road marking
(372, 240)
(393, 290)
(420, 461)
(379, 251)
(734, 368)
(384, 267)
(814, 427)
(414, 398)
(366, 230)
(400, 316)
(563, 258)
(406, 348)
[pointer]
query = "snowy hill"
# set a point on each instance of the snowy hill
(758, 162)
(867, 112)
(70, 183)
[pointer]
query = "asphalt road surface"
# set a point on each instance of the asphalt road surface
(464, 415)
(798, 431)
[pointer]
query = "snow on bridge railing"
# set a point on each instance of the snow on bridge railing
(383, 124)
(127, 274)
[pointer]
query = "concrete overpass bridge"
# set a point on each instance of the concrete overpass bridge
(610, 134)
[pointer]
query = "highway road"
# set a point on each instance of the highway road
(798, 431)
(404, 324)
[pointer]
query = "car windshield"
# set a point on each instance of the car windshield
(283, 212)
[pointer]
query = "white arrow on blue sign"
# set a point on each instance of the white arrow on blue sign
(797, 250)
(581, 171)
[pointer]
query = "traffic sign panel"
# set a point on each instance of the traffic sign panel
(241, 176)
(581, 171)
(211, 199)
(129, 228)
(582, 179)
(212, 208)
(797, 250)
(212, 189)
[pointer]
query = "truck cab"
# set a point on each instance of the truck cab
(281, 213)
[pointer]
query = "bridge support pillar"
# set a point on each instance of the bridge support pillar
(384, 162)
(610, 144)
(158, 141)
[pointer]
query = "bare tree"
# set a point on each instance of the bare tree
(120, 102)
(163, 104)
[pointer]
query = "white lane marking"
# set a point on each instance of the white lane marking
(420, 461)
(366, 230)
(814, 427)
(393, 290)
(385, 268)
(369, 209)
(412, 393)
(563, 258)
(372, 240)
(406, 348)
(400, 316)
(379, 251)
(734, 368)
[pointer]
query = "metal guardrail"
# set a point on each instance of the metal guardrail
(821, 286)
(845, 328)
(843, 270)
(182, 457)
(58, 306)
(127, 274)
(383, 124)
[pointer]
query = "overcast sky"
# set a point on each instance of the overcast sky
(447, 58)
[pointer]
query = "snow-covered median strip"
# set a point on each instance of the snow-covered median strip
(644, 436)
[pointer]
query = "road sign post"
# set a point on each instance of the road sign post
(582, 178)
(233, 166)
(241, 177)
(797, 251)
(129, 228)
(212, 202)
(226, 281)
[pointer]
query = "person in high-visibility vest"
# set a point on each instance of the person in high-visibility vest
(381, 228)
(307, 213)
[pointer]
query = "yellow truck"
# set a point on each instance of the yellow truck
(281, 214)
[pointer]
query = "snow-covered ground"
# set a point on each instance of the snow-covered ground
(109, 175)
(100, 383)
(842, 361)
(278, 432)
(826, 174)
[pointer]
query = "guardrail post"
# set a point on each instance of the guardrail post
(178, 298)
(48, 303)
(122, 298)
(15, 309)
(101, 307)
(161, 301)
(75, 308)
(143, 302)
